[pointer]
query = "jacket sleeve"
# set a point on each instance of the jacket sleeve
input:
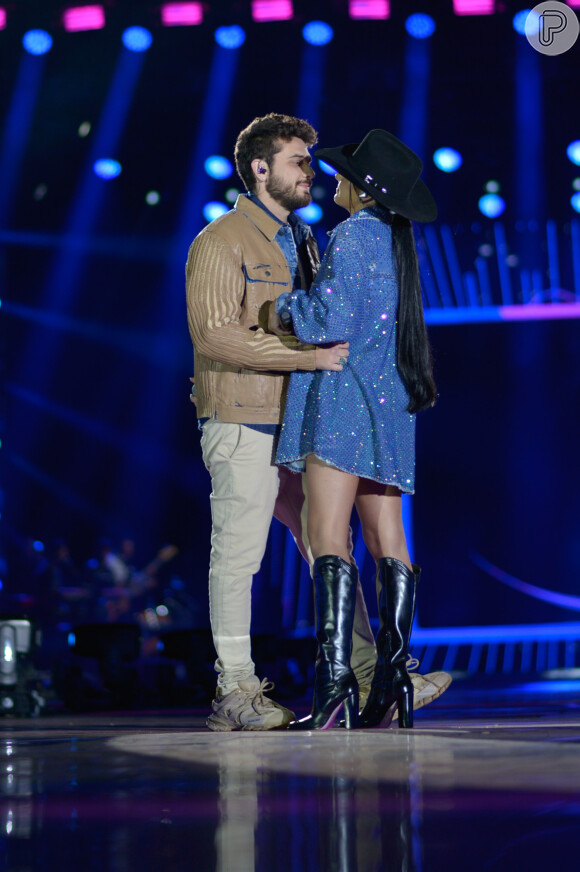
(328, 311)
(215, 290)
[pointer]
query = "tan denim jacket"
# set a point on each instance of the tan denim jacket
(234, 267)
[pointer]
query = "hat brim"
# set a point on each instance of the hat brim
(419, 204)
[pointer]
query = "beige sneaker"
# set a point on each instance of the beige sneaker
(248, 709)
(428, 687)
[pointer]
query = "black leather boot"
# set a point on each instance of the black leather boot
(335, 684)
(391, 686)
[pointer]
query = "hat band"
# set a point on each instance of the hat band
(370, 180)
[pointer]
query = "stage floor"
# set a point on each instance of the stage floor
(489, 779)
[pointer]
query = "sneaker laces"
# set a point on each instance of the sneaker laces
(265, 686)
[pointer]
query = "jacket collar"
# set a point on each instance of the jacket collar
(267, 223)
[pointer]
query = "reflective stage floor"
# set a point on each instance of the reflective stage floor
(489, 779)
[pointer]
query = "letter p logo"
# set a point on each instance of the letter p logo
(551, 22)
(551, 27)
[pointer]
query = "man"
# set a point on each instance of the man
(236, 265)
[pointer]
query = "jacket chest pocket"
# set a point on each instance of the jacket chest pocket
(265, 281)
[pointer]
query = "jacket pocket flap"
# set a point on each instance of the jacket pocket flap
(273, 273)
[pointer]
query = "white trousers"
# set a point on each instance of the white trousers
(248, 489)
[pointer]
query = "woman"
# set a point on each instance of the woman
(354, 431)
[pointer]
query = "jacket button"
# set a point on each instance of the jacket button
(268, 273)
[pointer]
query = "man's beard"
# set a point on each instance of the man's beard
(287, 195)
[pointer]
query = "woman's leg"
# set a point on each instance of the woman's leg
(331, 496)
(330, 500)
(381, 517)
(379, 509)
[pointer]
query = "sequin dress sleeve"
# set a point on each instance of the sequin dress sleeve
(322, 314)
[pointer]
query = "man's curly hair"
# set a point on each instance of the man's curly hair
(264, 137)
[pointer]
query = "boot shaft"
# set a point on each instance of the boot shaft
(396, 589)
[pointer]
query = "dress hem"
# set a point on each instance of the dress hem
(299, 464)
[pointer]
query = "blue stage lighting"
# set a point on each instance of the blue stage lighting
(447, 159)
(213, 210)
(137, 38)
(491, 205)
(37, 42)
(575, 200)
(311, 213)
(317, 32)
(420, 25)
(230, 37)
(106, 168)
(573, 152)
(326, 168)
(519, 21)
(218, 167)
(38, 546)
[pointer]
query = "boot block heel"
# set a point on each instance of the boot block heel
(405, 709)
(350, 705)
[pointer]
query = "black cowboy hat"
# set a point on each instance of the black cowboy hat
(388, 170)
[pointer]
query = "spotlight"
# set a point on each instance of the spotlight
(492, 187)
(326, 168)
(230, 37)
(181, 14)
(573, 152)
(369, 9)
(420, 26)
(79, 18)
(137, 39)
(272, 10)
(152, 198)
(576, 183)
(311, 213)
(232, 195)
(106, 168)
(447, 159)
(84, 129)
(317, 32)
(575, 201)
(213, 210)
(491, 205)
(2, 19)
(218, 167)
(37, 42)
(519, 21)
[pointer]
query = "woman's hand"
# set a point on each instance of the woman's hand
(331, 357)
(275, 324)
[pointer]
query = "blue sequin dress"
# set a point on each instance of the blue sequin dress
(356, 419)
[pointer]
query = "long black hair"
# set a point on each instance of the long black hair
(414, 358)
